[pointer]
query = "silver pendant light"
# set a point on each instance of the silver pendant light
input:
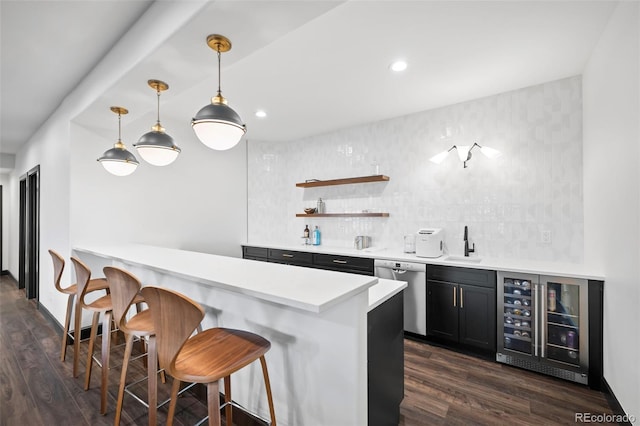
(156, 147)
(118, 160)
(217, 125)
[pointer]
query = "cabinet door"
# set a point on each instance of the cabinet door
(442, 310)
(477, 316)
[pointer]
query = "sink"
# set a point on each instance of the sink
(454, 258)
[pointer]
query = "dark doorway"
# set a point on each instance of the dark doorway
(29, 245)
(1, 232)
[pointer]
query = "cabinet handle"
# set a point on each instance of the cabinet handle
(454, 297)
(461, 298)
(339, 261)
(286, 255)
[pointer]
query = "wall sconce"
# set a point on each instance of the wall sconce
(118, 160)
(464, 153)
(217, 125)
(157, 147)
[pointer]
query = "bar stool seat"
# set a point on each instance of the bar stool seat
(206, 357)
(95, 284)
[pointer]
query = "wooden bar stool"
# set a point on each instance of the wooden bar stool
(206, 357)
(125, 290)
(94, 285)
(104, 306)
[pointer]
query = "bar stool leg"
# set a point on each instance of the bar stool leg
(65, 333)
(123, 378)
(267, 385)
(228, 409)
(76, 336)
(106, 345)
(152, 379)
(92, 341)
(213, 402)
(174, 400)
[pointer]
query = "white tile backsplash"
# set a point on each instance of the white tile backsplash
(507, 203)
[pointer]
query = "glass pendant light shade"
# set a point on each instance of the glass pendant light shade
(118, 160)
(217, 125)
(156, 147)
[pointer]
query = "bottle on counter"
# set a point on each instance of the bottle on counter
(320, 206)
(306, 232)
(316, 237)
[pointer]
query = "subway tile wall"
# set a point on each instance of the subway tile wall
(526, 204)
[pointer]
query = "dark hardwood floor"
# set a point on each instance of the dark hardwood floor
(441, 386)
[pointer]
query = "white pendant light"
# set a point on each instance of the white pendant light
(157, 147)
(118, 160)
(217, 125)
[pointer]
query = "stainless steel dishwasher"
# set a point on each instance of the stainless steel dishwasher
(415, 295)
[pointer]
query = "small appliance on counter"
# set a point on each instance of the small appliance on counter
(429, 242)
(361, 242)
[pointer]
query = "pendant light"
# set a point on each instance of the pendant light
(117, 160)
(156, 147)
(217, 125)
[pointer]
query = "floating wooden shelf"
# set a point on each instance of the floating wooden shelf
(343, 215)
(345, 181)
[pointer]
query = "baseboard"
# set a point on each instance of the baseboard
(621, 417)
(85, 332)
(7, 272)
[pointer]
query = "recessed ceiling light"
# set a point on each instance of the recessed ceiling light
(261, 114)
(398, 66)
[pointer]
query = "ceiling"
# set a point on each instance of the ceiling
(313, 66)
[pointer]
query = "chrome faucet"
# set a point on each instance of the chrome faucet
(468, 250)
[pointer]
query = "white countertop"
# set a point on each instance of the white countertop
(507, 265)
(383, 291)
(308, 289)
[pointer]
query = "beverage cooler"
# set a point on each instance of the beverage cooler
(543, 324)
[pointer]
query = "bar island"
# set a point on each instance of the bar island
(316, 321)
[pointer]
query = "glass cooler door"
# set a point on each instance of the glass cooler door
(565, 328)
(516, 316)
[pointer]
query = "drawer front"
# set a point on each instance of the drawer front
(453, 274)
(289, 256)
(346, 263)
(249, 252)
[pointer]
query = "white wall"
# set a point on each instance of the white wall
(196, 203)
(507, 203)
(612, 194)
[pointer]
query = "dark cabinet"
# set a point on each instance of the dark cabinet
(290, 257)
(477, 316)
(461, 306)
(442, 310)
(385, 369)
(354, 265)
(255, 253)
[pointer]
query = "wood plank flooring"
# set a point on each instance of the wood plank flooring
(441, 387)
